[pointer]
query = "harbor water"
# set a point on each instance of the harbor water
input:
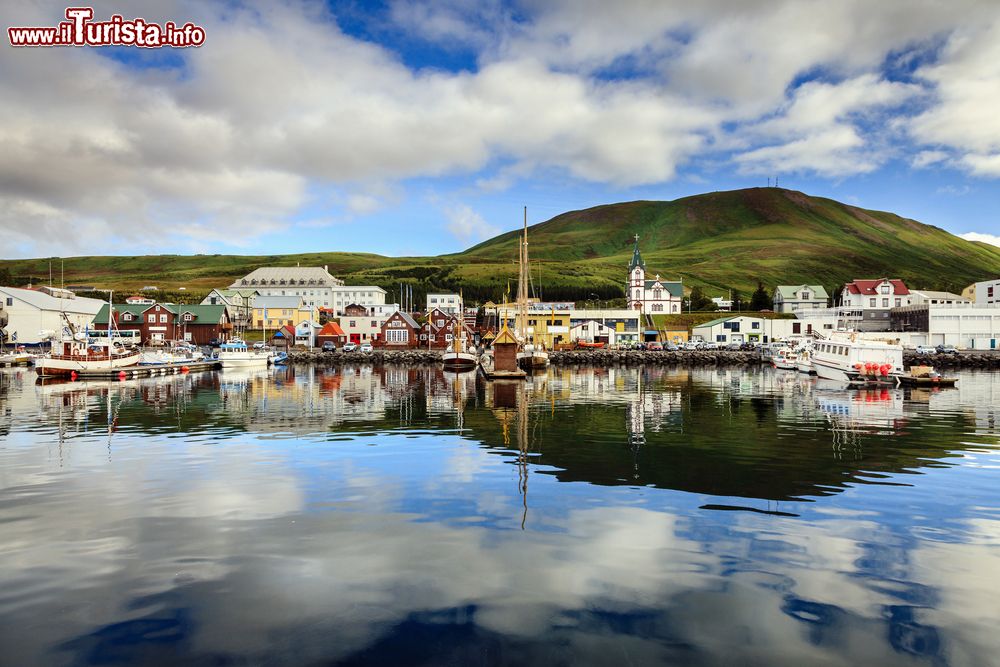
(587, 516)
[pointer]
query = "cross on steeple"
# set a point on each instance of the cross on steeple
(636, 238)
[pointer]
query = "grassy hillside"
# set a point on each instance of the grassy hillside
(720, 241)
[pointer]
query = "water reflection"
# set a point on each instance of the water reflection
(402, 515)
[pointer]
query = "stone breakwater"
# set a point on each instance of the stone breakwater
(970, 360)
(378, 357)
(639, 357)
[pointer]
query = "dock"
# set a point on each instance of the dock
(145, 370)
(11, 360)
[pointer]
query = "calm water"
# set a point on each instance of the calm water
(401, 516)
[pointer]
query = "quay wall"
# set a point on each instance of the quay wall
(970, 360)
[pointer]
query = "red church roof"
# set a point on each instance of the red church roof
(871, 286)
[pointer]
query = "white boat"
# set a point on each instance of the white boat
(173, 355)
(236, 354)
(457, 357)
(785, 359)
(531, 355)
(74, 353)
(848, 358)
(804, 362)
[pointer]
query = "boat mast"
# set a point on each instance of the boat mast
(522, 282)
(111, 315)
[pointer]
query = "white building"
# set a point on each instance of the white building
(626, 323)
(35, 315)
(592, 332)
(314, 284)
(984, 293)
(873, 299)
(449, 303)
(792, 298)
(363, 324)
(651, 296)
(967, 326)
(931, 298)
(722, 303)
(751, 329)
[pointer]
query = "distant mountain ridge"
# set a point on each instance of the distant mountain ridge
(718, 240)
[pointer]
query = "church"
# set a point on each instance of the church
(651, 296)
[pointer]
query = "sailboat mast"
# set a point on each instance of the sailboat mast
(111, 316)
(522, 282)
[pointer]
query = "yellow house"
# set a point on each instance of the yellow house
(271, 312)
(678, 335)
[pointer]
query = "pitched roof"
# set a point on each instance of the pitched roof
(636, 257)
(867, 287)
(265, 274)
(505, 336)
(277, 302)
(931, 294)
(405, 317)
(136, 309)
(331, 329)
(673, 287)
(787, 292)
(203, 313)
(44, 301)
(719, 320)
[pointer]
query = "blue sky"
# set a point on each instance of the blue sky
(403, 127)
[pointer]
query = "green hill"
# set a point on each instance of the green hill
(719, 240)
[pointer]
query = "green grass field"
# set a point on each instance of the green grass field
(718, 241)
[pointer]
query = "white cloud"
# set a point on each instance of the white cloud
(992, 239)
(467, 225)
(280, 108)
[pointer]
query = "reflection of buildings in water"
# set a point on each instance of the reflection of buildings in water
(977, 395)
(853, 413)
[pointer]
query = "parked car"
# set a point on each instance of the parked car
(925, 349)
(709, 346)
(366, 348)
(328, 346)
(350, 347)
(947, 349)
(671, 347)
(259, 345)
(692, 345)
(215, 342)
(654, 347)
(735, 347)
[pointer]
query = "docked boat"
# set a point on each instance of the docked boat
(236, 354)
(72, 356)
(803, 362)
(173, 355)
(851, 359)
(785, 359)
(532, 354)
(457, 357)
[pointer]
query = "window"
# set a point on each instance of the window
(151, 319)
(871, 303)
(188, 317)
(885, 289)
(10, 300)
(374, 324)
(127, 317)
(796, 327)
(805, 296)
(720, 338)
(755, 325)
(441, 323)
(885, 303)
(352, 324)
(657, 294)
(899, 302)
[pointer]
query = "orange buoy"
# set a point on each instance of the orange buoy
(72, 375)
(122, 375)
(185, 369)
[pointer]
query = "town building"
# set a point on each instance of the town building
(592, 332)
(239, 303)
(137, 300)
(722, 303)
(983, 293)
(363, 324)
(400, 330)
(331, 332)
(447, 302)
(873, 299)
(932, 298)
(439, 329)
(966, 326)
(161, 322)
(628, 324)
(34, 316)
(651, 296)
(314, 284)
(271, 312)
(791, 298)
(752, 329)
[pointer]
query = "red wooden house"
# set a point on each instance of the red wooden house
(400, 331)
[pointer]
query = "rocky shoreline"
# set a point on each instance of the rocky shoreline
(969, 360)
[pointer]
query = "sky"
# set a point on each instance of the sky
(416, 128)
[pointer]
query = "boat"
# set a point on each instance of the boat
(848, 358)
(926, 376)
(803, 362)
(182, 353)
(457, 357)
(76, 353)
(785, 359)
(532, 355)
(585, 345)
(236, 354)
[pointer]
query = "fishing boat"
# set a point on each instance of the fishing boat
(532, 354)
(803, 362)
(785, 359)
(457, 357)
(75, 353)
(848, 358)
(236, 354)
(177, 353)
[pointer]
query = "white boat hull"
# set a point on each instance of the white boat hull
(251, 361)
(57, 366)
(533, 359)
(459, 360)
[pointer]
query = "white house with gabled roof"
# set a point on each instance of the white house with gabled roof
(651, 296)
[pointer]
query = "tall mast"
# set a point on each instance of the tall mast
(111, 316)
(522, 281)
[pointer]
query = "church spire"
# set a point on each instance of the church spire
(636, 257)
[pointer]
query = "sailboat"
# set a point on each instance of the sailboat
(457, 357)
(531, 355)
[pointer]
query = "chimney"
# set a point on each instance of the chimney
(326, 267)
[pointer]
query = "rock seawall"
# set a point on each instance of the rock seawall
(970, 360)
(406, 357)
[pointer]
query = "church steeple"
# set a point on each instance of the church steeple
(636, 257)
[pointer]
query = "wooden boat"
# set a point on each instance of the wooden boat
(584, 345)
(532, 354)
(926, 376)
(457, 357)
(75, 354)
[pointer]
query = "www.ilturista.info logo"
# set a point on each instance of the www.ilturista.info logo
(80, 30)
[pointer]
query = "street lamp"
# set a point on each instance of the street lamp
(597, 299)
